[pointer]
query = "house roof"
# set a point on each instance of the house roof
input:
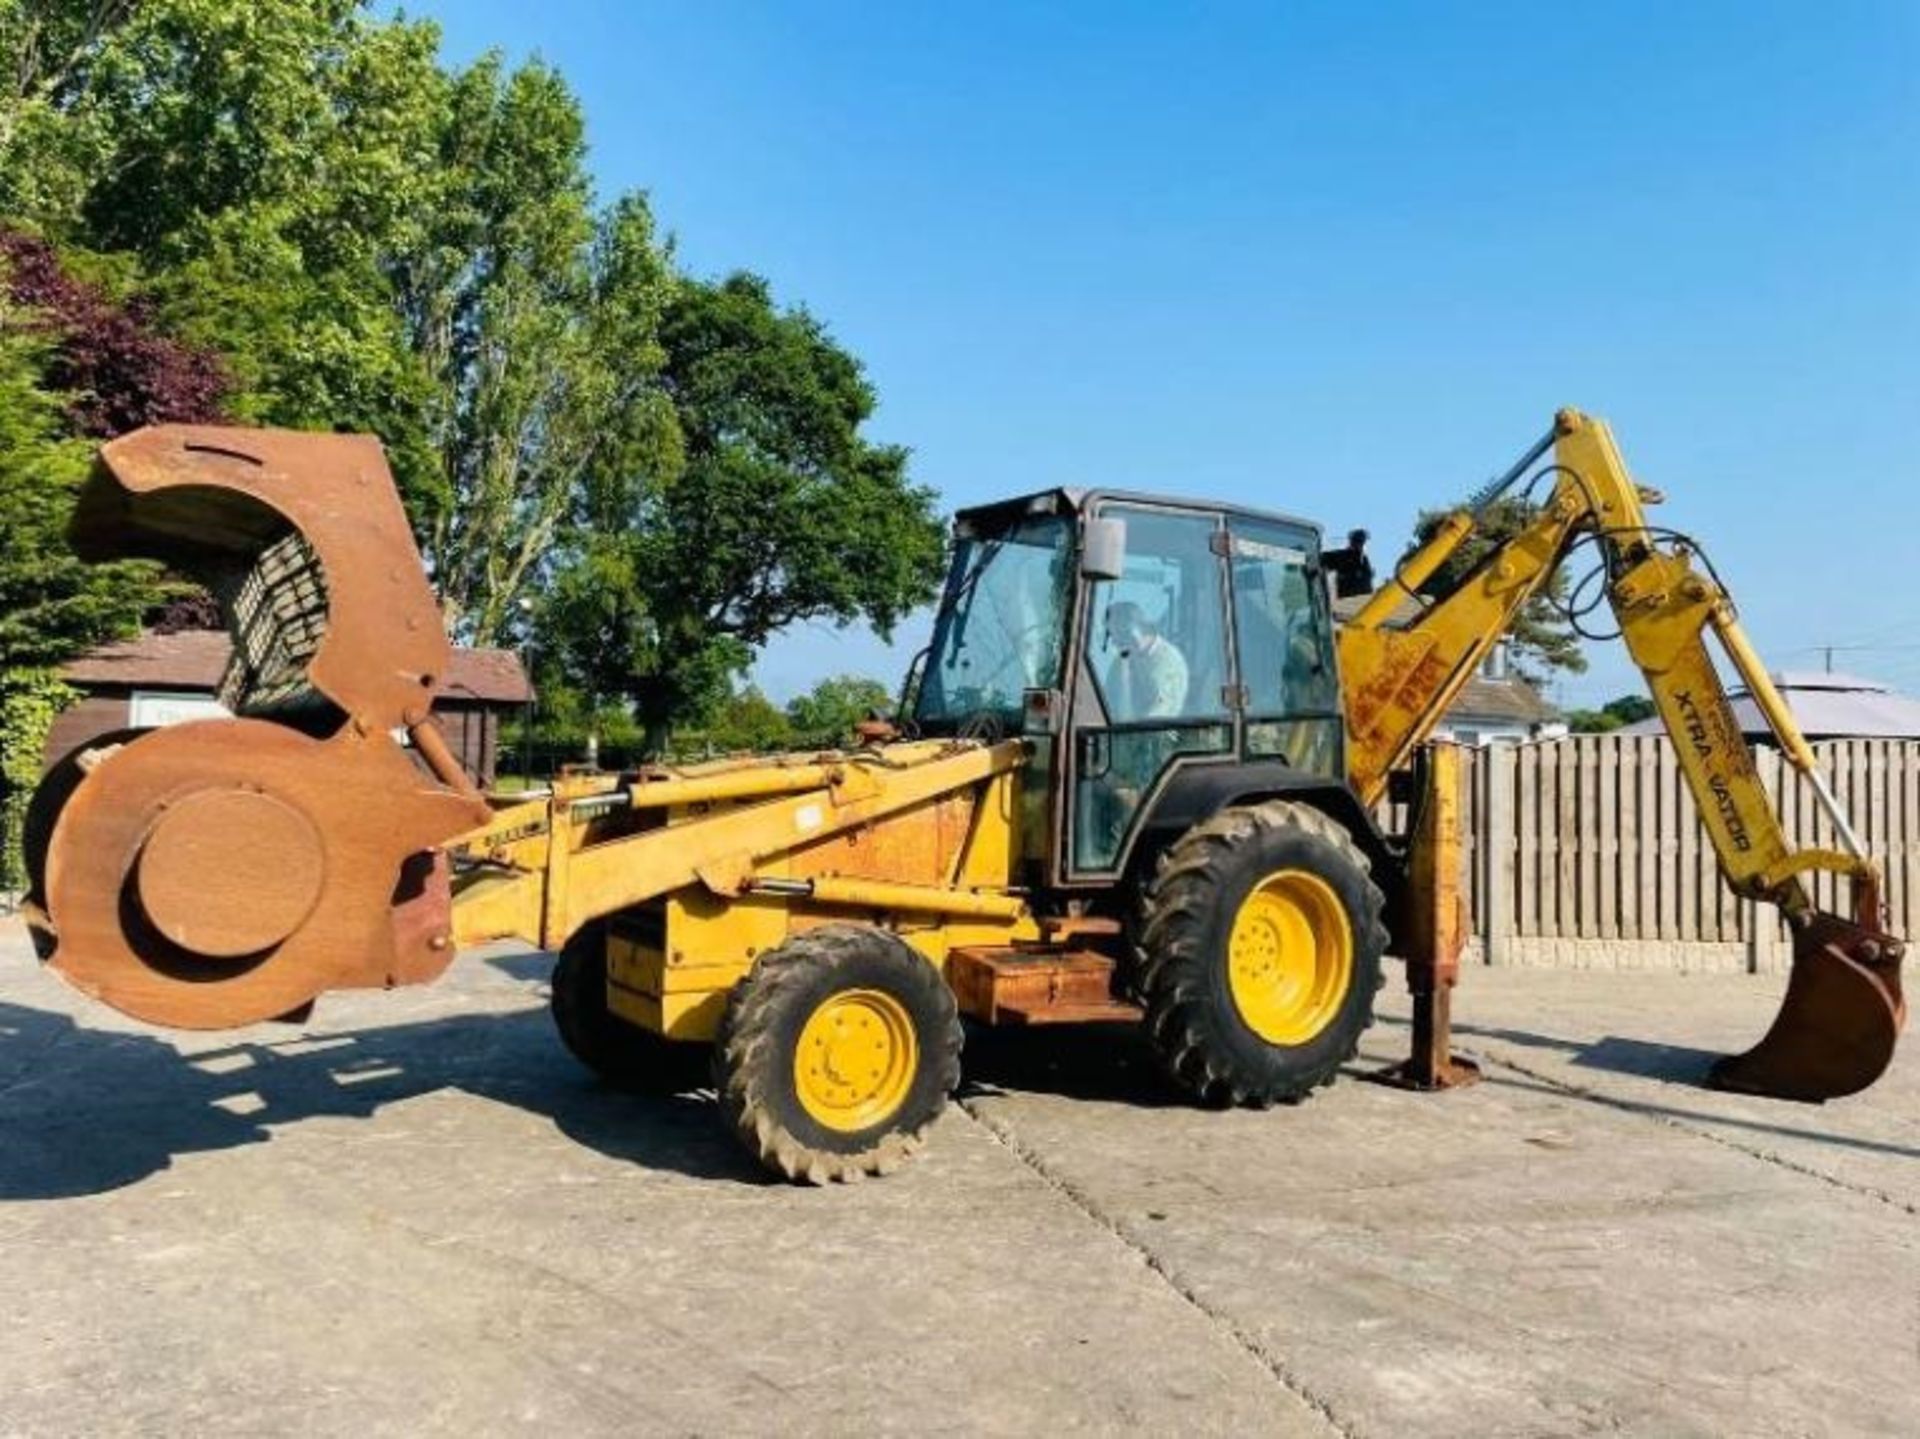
(1825, 706)
(195, 660)
(189, 659)
(495, 676)
(1512, 700)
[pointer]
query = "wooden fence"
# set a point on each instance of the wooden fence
(1587, 852)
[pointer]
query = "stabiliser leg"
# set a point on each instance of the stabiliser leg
(1434, 926)
(1432, 1064)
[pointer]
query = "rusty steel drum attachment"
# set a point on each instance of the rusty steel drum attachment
(224, 871)
(1842, 1014)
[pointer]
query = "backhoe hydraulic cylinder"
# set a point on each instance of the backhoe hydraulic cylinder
(1780, 719)
(1415, 570)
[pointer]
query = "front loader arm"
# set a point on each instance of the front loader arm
(1836, 1031)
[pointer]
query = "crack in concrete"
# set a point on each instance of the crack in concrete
(1217, 1318)
(1648, 1112)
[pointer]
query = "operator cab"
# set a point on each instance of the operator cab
(1137, 641)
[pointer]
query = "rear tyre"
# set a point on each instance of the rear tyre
(1261, 954)
(836, 1053)
(617, 1050)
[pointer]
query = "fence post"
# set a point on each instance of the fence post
(1496, 847)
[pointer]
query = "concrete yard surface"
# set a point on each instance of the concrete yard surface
(416, 1215)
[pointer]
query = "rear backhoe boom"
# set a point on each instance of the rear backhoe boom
(1844, 1008)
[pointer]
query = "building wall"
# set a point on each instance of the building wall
(473, 734)
(472, 730)
(1465, 729)
(93, 716)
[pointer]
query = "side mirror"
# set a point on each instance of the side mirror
(1103, 549)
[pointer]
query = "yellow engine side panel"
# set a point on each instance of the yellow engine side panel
(959, 843)
(920, 846)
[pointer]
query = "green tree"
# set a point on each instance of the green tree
(51, 147)
(1541, 641)
(538, 322)
(76, 366)
(258, 166)
(1615, 713)
(1584, 721)
(371, 241)
(746, 720)
(175, 112)
(30, 701)
(670, 472)
(827, 713)
(51, 605)
(781, 512)
(1630, 709)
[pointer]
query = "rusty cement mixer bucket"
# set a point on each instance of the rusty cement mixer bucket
(224, 871)
(1841, 1018)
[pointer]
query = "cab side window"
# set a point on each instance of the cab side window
(1285, 634)
(1156, 643)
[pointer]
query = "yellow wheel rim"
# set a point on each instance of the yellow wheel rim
(856, 1060)
(1290, 956)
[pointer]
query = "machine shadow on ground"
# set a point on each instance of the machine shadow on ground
(1680, 1068)
(1099, 1063)
(1675, 1063)
(86, 1111)
(1107, 1063)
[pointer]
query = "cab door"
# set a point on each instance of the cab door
(1283, 632)
(1154, 684)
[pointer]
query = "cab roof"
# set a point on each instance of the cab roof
(1069, 499)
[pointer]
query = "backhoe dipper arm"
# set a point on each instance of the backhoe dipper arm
(1844, 1009)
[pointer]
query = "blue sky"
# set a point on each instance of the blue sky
(1343, 260)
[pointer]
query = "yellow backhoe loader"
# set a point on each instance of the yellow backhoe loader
(1134, 779)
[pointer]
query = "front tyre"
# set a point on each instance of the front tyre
(1261, 954)
(836, 1053)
